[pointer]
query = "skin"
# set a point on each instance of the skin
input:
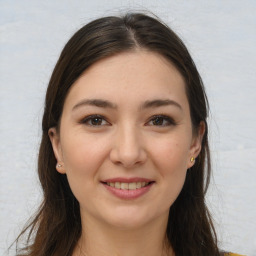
(127, 141)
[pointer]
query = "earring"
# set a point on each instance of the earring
(59, 165)
(192, 159)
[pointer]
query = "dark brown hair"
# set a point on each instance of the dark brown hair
(56, 228)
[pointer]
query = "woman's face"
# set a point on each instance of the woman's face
(126, 140)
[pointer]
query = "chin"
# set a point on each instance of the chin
(130, 218)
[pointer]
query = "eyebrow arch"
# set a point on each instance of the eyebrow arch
(160, 103)
(95, 102)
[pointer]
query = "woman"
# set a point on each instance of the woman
(124, 161)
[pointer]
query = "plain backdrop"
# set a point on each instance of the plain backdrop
(221, 36)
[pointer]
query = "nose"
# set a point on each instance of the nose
(128, 149)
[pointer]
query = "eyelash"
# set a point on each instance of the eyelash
(91, 117)
(162, 118)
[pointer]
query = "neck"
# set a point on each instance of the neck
(100, 239)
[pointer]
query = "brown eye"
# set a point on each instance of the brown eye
(161, 121)
(94, 120)
(158, 121)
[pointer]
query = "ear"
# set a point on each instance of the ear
(56, 146)
(196, 144)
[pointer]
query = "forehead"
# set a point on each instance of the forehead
(129, 77)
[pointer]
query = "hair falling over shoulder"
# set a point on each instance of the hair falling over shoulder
(56, 228)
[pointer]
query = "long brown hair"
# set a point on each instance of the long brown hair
(56, 227)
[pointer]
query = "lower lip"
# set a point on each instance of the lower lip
(128, 194)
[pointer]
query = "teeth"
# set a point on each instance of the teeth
(117, 185)
(130, 186)
(138, 185)
(124, 185)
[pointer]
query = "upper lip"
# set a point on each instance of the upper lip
(127, 180)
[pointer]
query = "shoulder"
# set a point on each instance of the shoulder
(232, 254)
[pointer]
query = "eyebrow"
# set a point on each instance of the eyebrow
(160, 103)
(107, 104)
(95, 102)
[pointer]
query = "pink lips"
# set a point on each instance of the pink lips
(126, 193)
(127, 180)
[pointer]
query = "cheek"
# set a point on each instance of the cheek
(173, 166)
(83, 155)
(170, 159)
(171, 155)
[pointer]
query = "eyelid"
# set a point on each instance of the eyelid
(165, 117)
(90, 117)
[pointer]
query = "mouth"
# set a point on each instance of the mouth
(128, 185)
(131, 188)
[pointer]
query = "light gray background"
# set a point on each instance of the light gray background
(221, 36)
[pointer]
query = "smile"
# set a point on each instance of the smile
(130, 188)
